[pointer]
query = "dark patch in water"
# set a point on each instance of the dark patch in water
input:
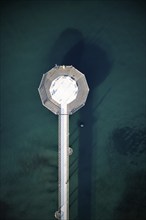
(129, 140)
(5, 209)
(36, 162)
(133, 202)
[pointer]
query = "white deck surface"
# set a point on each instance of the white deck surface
(64, 89)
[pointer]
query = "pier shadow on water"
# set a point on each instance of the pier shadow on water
(93, 61)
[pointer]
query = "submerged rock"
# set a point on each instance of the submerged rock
(128, 140)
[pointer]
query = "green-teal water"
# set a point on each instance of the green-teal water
(106, 41)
